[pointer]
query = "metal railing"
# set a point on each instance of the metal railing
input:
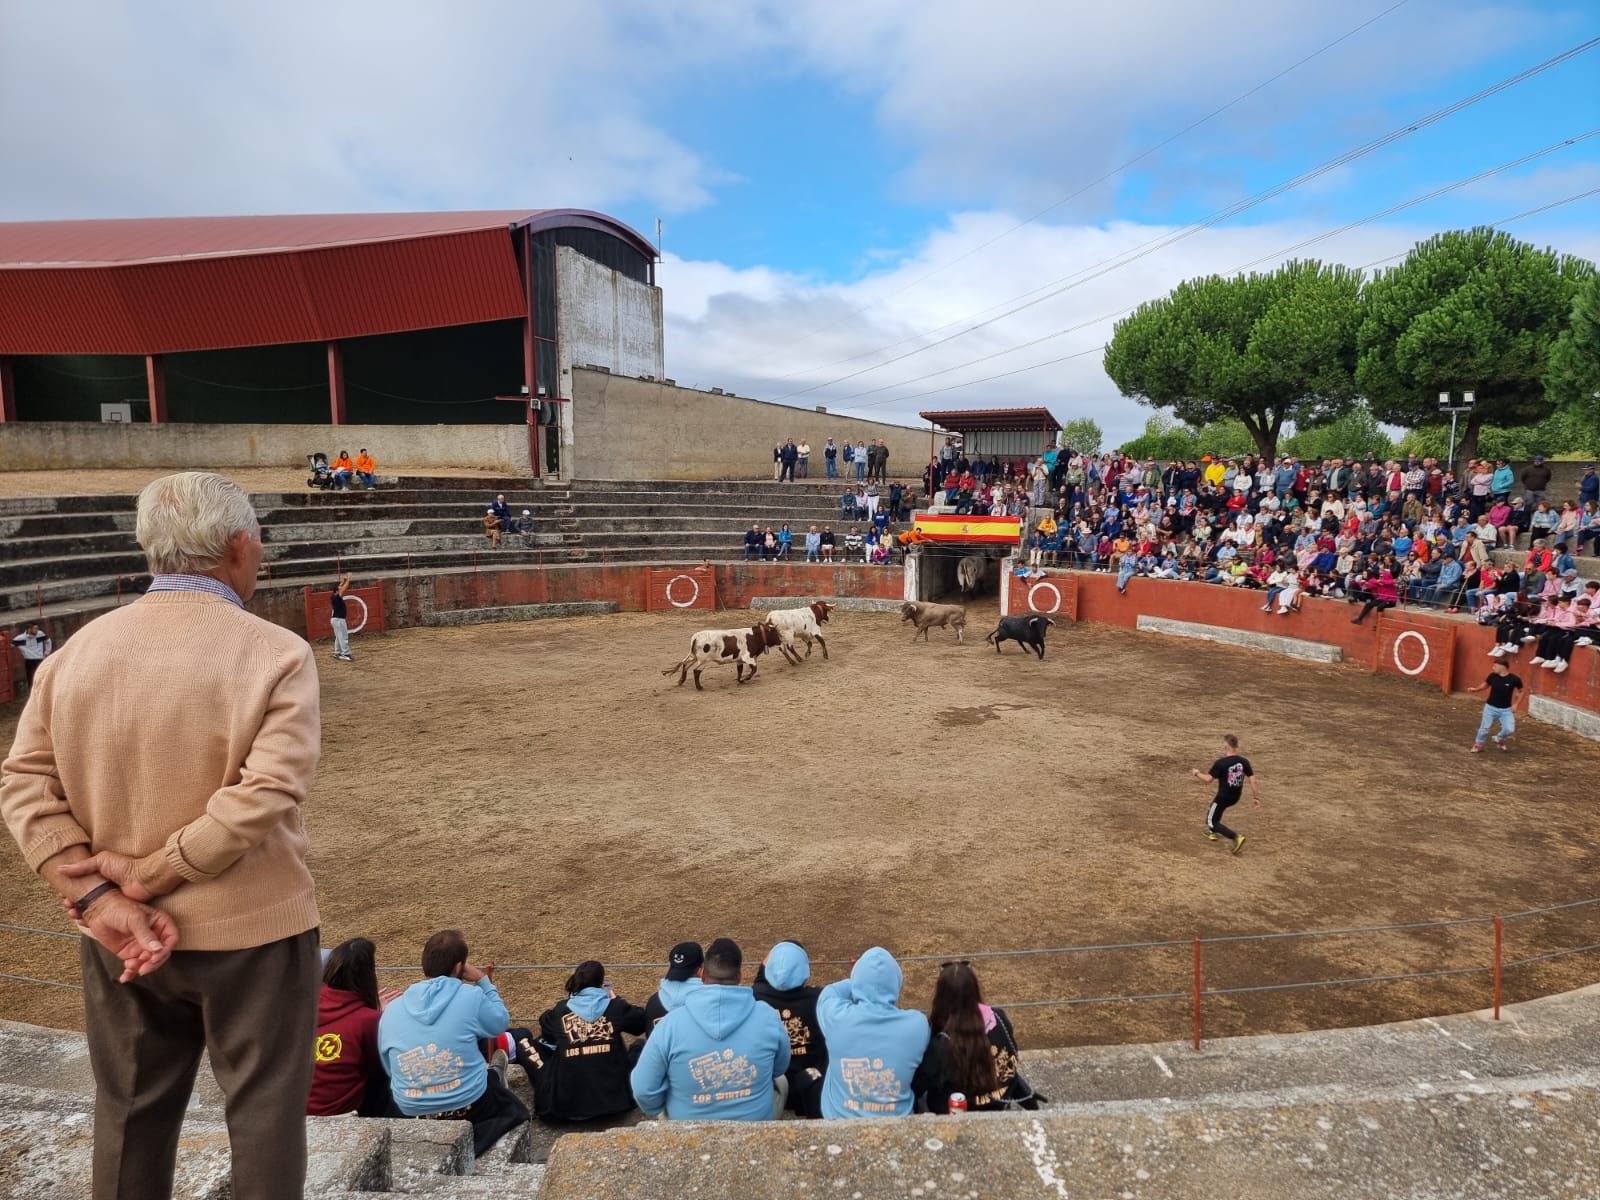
(1494, 963)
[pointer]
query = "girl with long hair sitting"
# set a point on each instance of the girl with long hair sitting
(973, 1050)
(347, 1073)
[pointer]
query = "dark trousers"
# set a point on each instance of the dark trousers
(493, 1115)
(786, 472)
(254, 1012)
(30, 667)
(1214, 819)
(1556, 643)
(1370, 605)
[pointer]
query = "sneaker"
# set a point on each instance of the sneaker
(1536, 661)
(1266, 608)
(1549, 664)
(498, 1062)
(1560, 665)
(1532, 637)
(1496, 651)
(1512, 647)
(1477, 748)
(1210, 837)
(1584, 641)
(1500, 744)
(1238, 843)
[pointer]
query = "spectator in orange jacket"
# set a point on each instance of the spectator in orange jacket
(343, 469)
(366, 468)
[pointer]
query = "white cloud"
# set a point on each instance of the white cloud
(305, 106)
(763, 334)
(1026, 101)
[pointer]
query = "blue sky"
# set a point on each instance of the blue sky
(841, 184)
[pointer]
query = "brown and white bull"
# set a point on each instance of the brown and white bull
(717, 647)
(801, 625)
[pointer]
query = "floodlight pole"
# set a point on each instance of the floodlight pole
(1446, 404)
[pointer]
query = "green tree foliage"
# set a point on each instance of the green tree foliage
(1565, 432)
(1572, 377)
(1349, 436)
(1083, 434)
(1264, 350)
(1466, 309)
(1164, 440)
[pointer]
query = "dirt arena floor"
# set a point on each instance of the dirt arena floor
(542, 787)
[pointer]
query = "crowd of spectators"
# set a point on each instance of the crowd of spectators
(1374, 533)
(705, 1046)
(864, 460)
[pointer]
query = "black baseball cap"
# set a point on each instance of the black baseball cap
(684, 961)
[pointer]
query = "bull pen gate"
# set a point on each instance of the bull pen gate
(946, 540)
(945, 537)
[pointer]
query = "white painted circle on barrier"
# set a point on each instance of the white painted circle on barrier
(361, 624)
(689, 603)
(1054, 591)
(1421, 641)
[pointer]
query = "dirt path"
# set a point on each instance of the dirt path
(544, 788)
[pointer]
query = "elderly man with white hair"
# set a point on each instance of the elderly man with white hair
(156, 783)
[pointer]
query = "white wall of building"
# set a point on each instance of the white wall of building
(603, 317)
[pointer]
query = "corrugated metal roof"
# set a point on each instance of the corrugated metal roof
(170, 284)
(994, 420)
(156, 239)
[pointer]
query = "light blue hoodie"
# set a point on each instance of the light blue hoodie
(713, 1058)
(589, 1003)
(671, 992)
(428, 1040)
(787, 966)
(874, 1048)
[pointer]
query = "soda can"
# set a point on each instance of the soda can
(958, 1102)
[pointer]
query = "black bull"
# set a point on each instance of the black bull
(1026, 631)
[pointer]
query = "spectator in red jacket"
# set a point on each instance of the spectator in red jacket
(348, 1074)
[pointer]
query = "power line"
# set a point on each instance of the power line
(1116, 262)
(1093, 183)
(1532, 212)
(1095, 349)
(1276, 254)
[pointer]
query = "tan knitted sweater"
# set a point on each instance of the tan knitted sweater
(180, 721)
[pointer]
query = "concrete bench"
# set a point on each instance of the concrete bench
(1247, 639)
(519, 612)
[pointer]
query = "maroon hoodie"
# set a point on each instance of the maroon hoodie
(345, 1054)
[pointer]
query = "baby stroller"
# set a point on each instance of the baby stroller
(321, 473)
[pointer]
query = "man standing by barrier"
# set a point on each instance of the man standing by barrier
(179, 735)
(337, 620)
(1502, 687)
(1230, 772)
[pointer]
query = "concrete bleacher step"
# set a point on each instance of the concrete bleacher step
(518, 612)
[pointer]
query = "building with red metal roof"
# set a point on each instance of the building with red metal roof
(375, 318)
(998, 431)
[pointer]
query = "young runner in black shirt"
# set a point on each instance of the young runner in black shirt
(1502, 687)
(1230, 771)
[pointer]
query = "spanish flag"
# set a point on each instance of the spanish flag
(971, 528)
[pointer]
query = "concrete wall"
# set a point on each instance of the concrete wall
(602, 317)
(88, 445)
(636, 429)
